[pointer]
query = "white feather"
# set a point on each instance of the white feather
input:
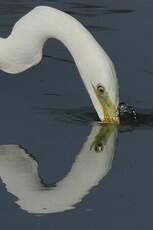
(23, 49)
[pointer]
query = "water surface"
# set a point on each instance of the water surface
(46, 117)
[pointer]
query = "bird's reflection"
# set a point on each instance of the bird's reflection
(19, 173)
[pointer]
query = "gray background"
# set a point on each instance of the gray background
(28, 116)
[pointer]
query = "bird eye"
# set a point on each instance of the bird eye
(98, 148)
(100, 88)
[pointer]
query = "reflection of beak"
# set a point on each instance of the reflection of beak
(110, 112)
(102, 137)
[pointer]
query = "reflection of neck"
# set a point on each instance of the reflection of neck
(20, 174)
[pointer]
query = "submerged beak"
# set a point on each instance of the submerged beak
(110, 112)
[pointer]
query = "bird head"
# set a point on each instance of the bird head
(107, 108)
(104, 94)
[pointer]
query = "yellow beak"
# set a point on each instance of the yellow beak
(111, 115)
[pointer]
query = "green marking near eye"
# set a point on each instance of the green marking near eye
(109, 110)
(102, 137)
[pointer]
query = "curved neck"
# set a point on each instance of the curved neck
(23, 48)
(31, 31)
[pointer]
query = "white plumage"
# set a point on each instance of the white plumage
(24, 46)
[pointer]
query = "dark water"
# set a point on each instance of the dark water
(47, 113)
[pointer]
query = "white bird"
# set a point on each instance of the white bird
(19, 173)
(23, 49)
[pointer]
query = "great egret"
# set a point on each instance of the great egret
(19, 173)
(23, 49)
